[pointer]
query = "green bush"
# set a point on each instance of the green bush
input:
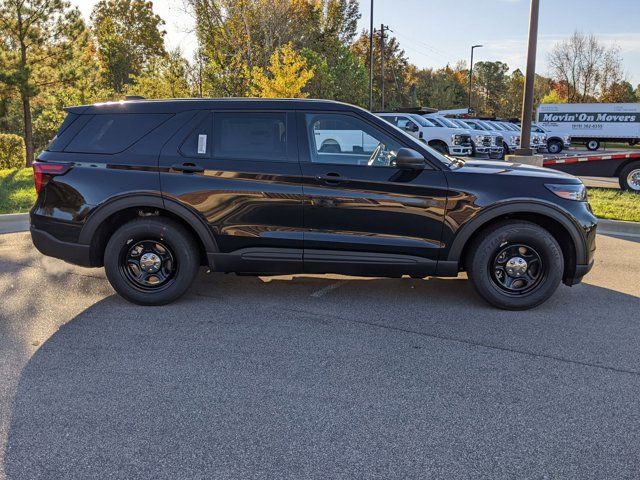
(12, 151)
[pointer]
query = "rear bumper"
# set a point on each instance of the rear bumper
(70, 252)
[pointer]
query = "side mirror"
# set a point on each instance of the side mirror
(409, 159)
(411, 127)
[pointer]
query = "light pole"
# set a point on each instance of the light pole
(471, 76)
(527, 101)
(371, 59)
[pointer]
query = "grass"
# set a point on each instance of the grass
(620, 146)
(614, 204)
(17, 194)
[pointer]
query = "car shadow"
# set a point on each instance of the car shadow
(330, 377)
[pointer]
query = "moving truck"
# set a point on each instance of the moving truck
(592, 123)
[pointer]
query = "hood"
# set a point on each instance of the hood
(516, 169)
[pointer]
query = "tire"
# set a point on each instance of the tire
(593, 144)
(441, 147)
(500, 249)
(151, 261)
(629, 177)
(505, 150)
(555, 147)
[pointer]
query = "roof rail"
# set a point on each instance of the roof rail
(134, 97)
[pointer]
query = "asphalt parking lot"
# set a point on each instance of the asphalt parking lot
(316, 377)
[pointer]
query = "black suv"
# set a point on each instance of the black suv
(153, 190)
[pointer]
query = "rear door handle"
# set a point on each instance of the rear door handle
(187, 167)
(331, 178)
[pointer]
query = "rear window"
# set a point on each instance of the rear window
(113, 133)
(250, 136)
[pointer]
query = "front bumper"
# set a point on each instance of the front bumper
(459, 150)
(496, 152)
(581, 271)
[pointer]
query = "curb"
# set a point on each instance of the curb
(14, 222)
(618, 227)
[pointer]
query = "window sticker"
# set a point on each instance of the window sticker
(202, 143)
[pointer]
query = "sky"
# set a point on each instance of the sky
(435, 33)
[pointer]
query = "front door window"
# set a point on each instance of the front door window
(347, 140)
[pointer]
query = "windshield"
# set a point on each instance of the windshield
(497, 126)
(460, 123)
(420, 120)
(448, 123)
(512, 127)
(474, 125)
(486, 125)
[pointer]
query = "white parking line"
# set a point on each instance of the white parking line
(329, 288)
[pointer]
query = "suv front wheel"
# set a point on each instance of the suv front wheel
(151, 260)
(515, 265)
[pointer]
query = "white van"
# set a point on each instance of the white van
(592, 123)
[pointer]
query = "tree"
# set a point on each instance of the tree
(396, 69)
(163, 77)
(237, 35)
(585, 66)
(490, 81)
(619, 92)
(288, 75)
(443, 88)
(553, 97)
(129, 37)
(36, 36)
(341, 77)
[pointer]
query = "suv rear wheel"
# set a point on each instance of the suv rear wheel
(151, 261)
(515, 265)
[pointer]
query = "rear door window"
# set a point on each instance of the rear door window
(114, 133)
(251, 136)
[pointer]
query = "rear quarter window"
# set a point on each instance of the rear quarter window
(114, 133)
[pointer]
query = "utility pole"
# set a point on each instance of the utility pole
(371, 59)
(527, 101)
(471, 76)
(383, 27)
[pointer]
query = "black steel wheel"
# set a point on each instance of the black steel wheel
(517, 269)
(148, 265)
(515, 264)
(151, 260)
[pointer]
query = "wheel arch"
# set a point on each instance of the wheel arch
(555, 221)
(109, 216)
(624, 164)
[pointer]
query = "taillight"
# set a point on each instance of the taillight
(43, 171)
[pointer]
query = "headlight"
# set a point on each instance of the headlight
(455, 139)
(567, 139)
(514, 140)
(479, 139)
(572, 191)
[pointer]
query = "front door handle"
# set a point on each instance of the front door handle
(331, 178)
(187, 167)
